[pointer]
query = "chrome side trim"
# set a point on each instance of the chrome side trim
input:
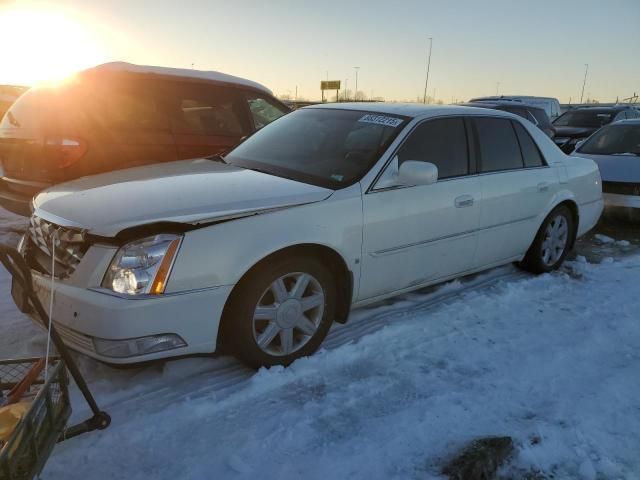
(392, 250)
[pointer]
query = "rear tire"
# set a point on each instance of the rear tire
(552, 242)
(280, 311)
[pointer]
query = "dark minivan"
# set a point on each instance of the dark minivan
(120, 115)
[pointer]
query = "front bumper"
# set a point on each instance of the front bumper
(81, 315)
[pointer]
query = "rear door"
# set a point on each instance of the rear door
(517, 186)
(205, 119)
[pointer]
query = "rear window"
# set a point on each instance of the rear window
(530, 153)
(87, 105)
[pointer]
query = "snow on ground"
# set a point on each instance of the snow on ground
(551, 360)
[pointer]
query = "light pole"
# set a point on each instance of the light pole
(346, 89)
(586, 70)
(355, 96)
(426, 83)
(497, 88)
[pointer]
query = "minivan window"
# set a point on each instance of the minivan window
(499, 149)
(263, 111)
(530, 153)
(206, 110)
(441, 142)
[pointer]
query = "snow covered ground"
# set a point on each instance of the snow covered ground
(552, 361)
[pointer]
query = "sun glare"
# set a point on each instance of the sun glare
(46, 46)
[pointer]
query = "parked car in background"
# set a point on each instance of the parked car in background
(120, 115)
(579, 123)
(535, 115)
(616, 150)
(551, 105)
(330, 207)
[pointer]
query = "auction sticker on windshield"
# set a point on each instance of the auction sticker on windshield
(381, 120)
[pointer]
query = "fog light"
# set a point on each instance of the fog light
(138, 346)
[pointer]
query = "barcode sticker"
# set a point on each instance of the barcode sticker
(381, 120)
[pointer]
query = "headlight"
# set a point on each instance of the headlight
(143, 266)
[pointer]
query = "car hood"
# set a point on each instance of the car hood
(616, 168)
(574, 131)
(190, 191)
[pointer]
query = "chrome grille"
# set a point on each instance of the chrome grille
(69, 250)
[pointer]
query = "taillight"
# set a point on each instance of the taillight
(63, 152)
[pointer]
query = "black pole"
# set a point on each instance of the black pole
(17, 267)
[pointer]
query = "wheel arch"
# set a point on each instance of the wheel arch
(571, 204)
(330, 257)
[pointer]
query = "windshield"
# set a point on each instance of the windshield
(584, 118)
(326, 147)
(614, 139)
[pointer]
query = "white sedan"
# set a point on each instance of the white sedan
(329, 208)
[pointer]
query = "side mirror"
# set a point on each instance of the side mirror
(413, 172)
(579, 144)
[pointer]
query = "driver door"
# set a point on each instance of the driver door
(413, 235)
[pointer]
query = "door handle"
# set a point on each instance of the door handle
(543, 186)
(464, 201)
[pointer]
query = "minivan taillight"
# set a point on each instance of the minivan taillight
(63, 152)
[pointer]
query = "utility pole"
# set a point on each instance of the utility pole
(355, 97)
(586, 70)
(426, 83)
(346, 89)
(497, 88)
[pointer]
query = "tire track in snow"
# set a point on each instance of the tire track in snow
(187, 379)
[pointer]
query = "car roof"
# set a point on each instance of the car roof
(509, 104)
(412, 110)
(212, 76)
(612, 108)
(511, 98)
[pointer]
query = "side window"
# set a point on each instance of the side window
(203, 110)
(117, 105)
(499, 149)
(530, 152)
(441, 142)
(263, 111)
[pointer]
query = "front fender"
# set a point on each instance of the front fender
(221, 254)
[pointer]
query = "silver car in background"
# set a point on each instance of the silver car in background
(616, 150)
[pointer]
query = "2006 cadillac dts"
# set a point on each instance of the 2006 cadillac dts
(328, 208)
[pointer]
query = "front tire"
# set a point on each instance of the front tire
(280, 312)
(552, 242)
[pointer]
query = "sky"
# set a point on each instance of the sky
(480, 47)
